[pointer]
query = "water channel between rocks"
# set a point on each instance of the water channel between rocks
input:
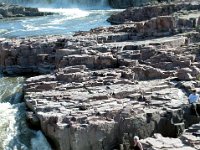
(15, 135)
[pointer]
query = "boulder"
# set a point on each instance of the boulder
(184, 74)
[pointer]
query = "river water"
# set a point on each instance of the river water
(71, 16)
(14, 133)
(65, 22)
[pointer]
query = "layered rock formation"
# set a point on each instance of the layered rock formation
(133, 3)
(8, 11)
(129, 78)
(127, 3)
(132, 14)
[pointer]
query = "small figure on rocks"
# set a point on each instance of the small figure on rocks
(193, 100)
(136, 144)
(142, 98)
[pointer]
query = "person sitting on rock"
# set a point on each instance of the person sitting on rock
(136, 144)
(193, 100)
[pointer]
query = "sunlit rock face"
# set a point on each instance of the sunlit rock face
(127, 3)
(134, 3)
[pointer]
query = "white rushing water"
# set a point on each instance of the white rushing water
(61, 3)
(14, 132)
(69, 17)
(66, 21)
(70, 13)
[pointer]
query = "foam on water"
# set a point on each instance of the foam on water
(64, 22)
(87, 4)
(14, 133)
(9, 127)
(71, 13)
(7, 119)
(68, 14)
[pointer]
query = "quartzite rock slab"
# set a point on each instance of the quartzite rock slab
(104, 104)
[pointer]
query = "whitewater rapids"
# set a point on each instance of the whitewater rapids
(65, 21)
(14, 133)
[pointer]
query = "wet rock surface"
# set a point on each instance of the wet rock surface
(10, 11)
(96, 86)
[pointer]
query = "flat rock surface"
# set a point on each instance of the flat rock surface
(163, 143)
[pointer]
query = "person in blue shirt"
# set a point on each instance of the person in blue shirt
(193, 99)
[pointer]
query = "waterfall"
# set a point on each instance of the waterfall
(14, 133)
(60, 3)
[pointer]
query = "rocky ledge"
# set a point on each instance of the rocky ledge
(9, 11)
(135, 14)
(134, 3)
(128, 79)
(189, 140)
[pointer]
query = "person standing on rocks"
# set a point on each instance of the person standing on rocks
(193, 100)
(136, 144)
